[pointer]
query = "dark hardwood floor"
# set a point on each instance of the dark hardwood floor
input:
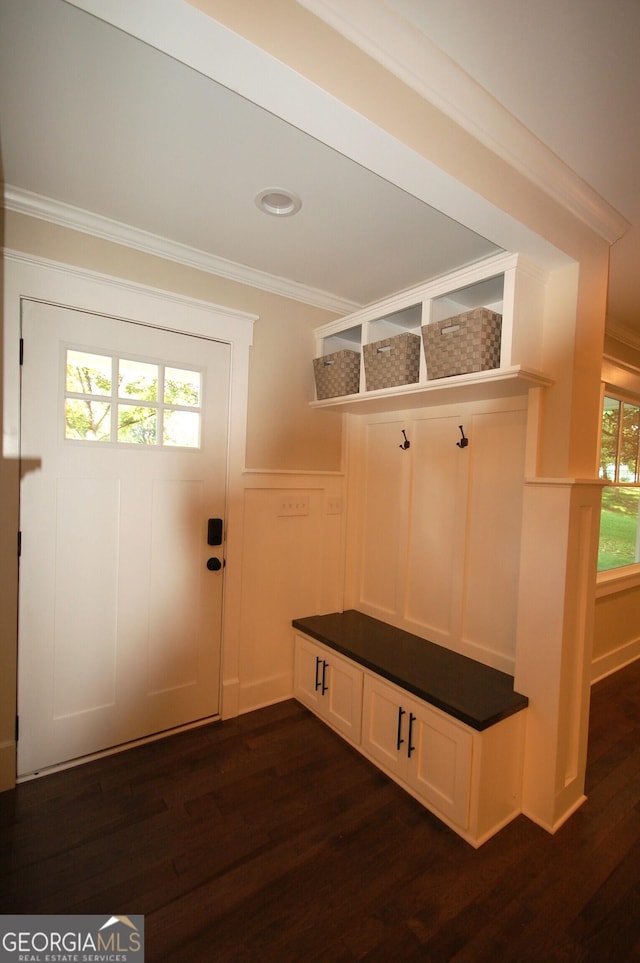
(266, 838)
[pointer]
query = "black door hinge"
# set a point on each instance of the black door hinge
(17, 727)
(19, 544)
(21, 351)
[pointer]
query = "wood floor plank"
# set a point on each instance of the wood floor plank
(268, 838)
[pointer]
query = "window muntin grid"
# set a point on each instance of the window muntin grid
(131, 401)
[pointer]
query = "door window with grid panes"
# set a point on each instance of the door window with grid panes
(130, 401)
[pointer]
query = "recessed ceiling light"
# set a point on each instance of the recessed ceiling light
(278, 202)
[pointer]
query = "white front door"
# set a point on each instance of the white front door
(124, 456)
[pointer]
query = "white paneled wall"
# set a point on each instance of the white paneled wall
(290, 565)
(437, 516)
(434, 530)
(492, 544)
(617, 630)
(381, 504)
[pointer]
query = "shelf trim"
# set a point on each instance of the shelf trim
(497, 382)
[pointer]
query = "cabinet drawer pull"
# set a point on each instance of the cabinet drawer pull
(400, 740)
(318, 661)
(324, 674)
(411, 747)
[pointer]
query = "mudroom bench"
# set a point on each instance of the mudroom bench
(446, 728)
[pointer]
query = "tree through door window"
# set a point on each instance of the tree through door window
(620, 468)
(131, 401)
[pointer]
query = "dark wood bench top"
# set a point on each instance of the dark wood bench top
(470, 691)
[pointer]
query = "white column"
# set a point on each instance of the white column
(554, 641)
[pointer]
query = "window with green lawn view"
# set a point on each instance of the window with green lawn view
(620, 468)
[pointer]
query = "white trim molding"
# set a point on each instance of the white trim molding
(42, 279)
(622, 333)
(7, 765)
(613, 661)
(617, 580)
(412, 57)
(34, 278)
(96, 225)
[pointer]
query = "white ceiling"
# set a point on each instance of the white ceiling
(570, 72)
(96, 119)
(93, 118)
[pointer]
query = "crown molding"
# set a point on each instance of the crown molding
(86, 222)
(237, 318)
(623, 334)
(412, 57)
(616, 364)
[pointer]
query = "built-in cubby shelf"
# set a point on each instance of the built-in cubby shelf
(479, 386)
(506, 284)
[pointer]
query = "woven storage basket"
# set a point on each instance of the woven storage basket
(462, 344)
(337, 374)
(392, 361)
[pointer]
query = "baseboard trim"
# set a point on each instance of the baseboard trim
(553, 827)
(230, 698)
(610, 662)
(265, 692)
(7, 765)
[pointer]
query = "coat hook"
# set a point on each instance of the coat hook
(463, 441)
(406, 443)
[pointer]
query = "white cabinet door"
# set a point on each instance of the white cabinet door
(440, 763)
(343, 696)
(307, 685)
(329, 685)
(385, 725)
(422, 747)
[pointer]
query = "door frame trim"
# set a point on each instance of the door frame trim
(27, 277)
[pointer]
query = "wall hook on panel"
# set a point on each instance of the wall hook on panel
(406, 443)
(463, 441)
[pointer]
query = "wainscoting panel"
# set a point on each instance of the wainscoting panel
(434, 529)
(291, 566)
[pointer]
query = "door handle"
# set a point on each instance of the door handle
(400, 740)
(318, 661)
(410, 747)
(214, 564)
(324, 674)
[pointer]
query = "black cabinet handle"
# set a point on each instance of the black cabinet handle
(324, 673)
(400, 740)
(318, 661)
(410, 747)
